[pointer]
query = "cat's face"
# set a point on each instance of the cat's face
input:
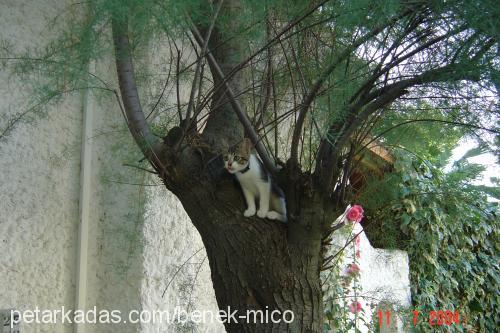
(236, 158)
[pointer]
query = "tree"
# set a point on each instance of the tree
(306, 82)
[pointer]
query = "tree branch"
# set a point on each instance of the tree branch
(430, 120)
(309, 98)
(197, 74)
(380, 71)
(379, 98)
(242, 116)
(136, 121)
(198, 65)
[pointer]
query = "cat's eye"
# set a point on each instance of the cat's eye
(240, 159)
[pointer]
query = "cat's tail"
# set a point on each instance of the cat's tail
(272, 215)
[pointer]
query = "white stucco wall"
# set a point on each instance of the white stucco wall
(383, 282)
(132, 250)
(39, 181)
(176, 264)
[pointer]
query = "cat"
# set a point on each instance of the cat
(256, 182)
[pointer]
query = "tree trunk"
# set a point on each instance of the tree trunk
(258, 266)
(267, 271)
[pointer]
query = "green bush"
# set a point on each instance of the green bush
(450, 231)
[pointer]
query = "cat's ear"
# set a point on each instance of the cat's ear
(247, 145)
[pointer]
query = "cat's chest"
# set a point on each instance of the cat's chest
(251, 180)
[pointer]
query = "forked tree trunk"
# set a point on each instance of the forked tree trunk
(259, 266)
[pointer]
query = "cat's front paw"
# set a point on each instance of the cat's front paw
(249, 212)
(273, 215)
(261, 213)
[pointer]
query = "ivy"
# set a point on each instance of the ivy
(450, 231)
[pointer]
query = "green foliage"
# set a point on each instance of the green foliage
(450, 231)
(423, 130)
(482, 15)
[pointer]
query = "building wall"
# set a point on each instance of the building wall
(138, 235)
(39, 177)
(383, 281)
(177, 276)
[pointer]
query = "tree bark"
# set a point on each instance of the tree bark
(259, 266)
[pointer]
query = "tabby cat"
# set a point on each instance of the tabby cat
(256, 182)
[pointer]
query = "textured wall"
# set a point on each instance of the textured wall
(174, 257)
(39, 177)
(116, 214)
(139, 235)
(383, 282)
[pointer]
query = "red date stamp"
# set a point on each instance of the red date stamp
(433, 318)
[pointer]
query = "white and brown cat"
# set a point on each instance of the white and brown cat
(256, 182)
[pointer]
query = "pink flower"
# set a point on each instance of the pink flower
(358, 254)
(355, 307)
(357, 240)
(355, 214)
(353, 269)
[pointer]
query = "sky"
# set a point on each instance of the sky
(488, 160)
